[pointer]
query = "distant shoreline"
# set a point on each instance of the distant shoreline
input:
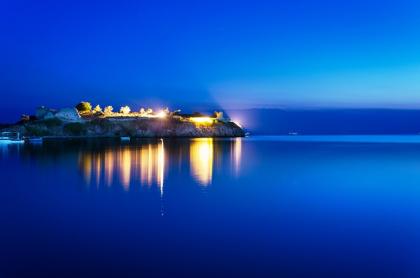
(56, 129)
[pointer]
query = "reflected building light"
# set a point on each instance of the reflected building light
(144, 156)
(152, 164)
(109, 167)
(149, 166)
(145, 163)
(125, 168)
(237, 154)
(201, 160)
(98, 169)
(85, 162)
(161, 166)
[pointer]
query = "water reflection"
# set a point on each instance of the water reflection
(237, 155)
(322, 190)
(124, 161)
(201, 160)
(109, 166)
(143, 163)
(85, 163)
(147, 164)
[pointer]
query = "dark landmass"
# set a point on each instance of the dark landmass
(133, 127)
(83, 121)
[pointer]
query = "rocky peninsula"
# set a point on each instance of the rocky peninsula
(84, 121)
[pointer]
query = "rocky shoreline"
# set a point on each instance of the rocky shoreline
(84, 122)
(132, 127)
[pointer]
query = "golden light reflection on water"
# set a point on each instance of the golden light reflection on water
(161, 166)
(125, 166)
(147, 164)
(98, 170)
(237, 155)
(201, 160)
(85, 162)
(109, 166)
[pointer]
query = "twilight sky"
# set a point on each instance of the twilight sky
(193, 54)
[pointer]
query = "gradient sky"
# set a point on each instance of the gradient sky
(215, 53)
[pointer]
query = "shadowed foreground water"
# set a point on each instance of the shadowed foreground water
(253, 207)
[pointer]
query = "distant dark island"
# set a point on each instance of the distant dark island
(86, 121)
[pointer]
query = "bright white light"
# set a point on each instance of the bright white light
(161, 114)
(237, 123)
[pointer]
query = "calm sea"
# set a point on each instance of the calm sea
(251, 207)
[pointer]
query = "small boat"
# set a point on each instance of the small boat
(125, 138)
(9, 137)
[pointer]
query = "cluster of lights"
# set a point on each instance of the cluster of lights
(162, 114)
(202, 120)
(126, 112)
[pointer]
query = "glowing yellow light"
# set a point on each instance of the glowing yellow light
(161, 114)
(98, 169)
(125, 167)
(201, 160)
(146, 163)
(237, 153)
(150, 167)
(86, 162)
(152, 164)
(161, 166)
(202, 120)
(109, 166)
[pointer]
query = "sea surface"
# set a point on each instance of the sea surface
(276, 206)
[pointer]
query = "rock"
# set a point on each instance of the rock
(220, 116)
(42, 111)
(68, 115)
(25, 118)
(69, 123)
(49, 115)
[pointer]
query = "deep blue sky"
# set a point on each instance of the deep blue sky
(217, 53)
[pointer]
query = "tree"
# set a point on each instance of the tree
(97, 109)
(84, 106)
(108, 110)
(218, 115)
(125, 110)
